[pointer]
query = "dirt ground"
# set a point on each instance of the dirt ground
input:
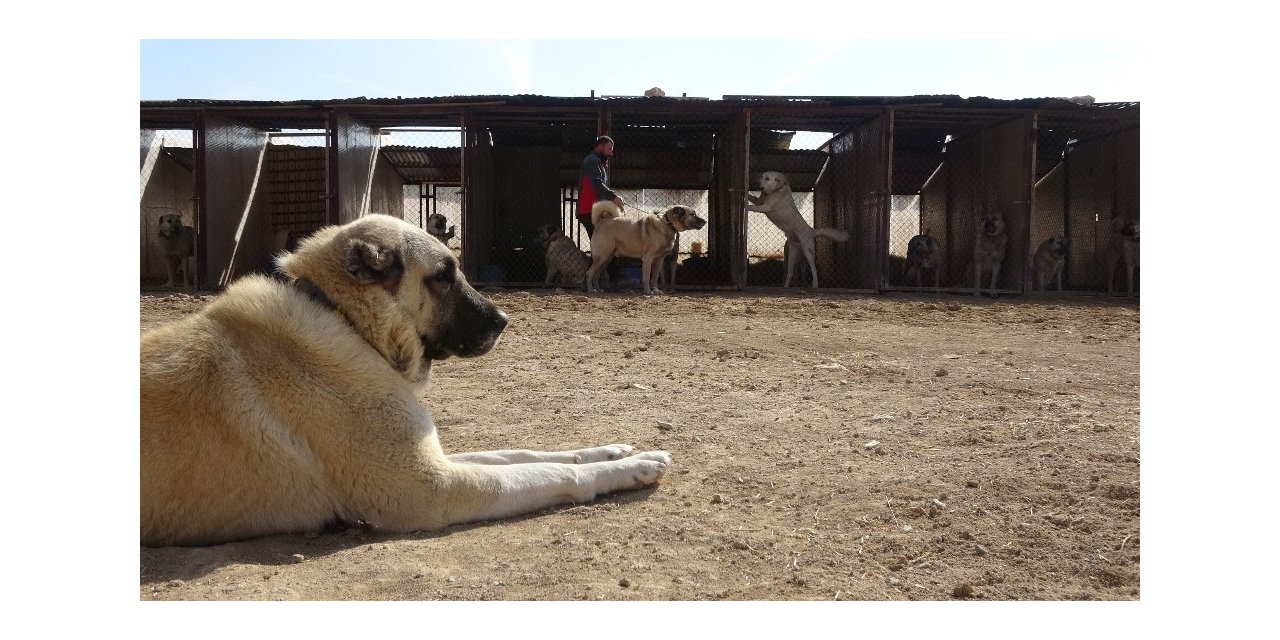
(826, 446)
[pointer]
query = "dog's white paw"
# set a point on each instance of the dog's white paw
(656, 456)
(650, 466)
(607, 452)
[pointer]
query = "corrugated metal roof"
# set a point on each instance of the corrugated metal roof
(812, 113)
(922, 123)
(532, 100)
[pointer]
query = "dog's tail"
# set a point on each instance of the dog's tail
(834, 234)
(603, 210)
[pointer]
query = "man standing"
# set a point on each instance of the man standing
(593, 182)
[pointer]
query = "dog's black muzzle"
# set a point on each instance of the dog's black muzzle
(470, 325)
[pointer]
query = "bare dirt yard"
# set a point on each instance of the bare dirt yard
(826, 446)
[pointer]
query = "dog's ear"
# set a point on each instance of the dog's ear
(370, 263)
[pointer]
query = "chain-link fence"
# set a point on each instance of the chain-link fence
(519, 174)
(526, 176)
(664, 158)
(950, 171)
(836, 172)
(1086, 175)
(296, 185)
(166, 186)
(418, 178)
(868, 178)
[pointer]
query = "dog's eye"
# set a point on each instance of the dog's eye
(444, 277)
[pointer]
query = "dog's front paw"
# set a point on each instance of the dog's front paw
(607, 452)
(650, 466)
(656, 456)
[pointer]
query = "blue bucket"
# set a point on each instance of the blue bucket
(630, 273)
(492, 273)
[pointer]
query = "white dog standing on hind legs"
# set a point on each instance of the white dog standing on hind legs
(776, 203)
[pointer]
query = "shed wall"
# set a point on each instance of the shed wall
(237, 225)
(1090, 197)
(989, 170)
(1048, 215)
(357, 157)
(386, 193)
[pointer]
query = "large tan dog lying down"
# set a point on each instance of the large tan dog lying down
(283, 407)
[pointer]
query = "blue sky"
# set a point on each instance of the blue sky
(1106, 68)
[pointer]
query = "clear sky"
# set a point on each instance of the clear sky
(1106, 68)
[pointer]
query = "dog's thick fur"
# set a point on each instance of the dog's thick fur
(776, 203)
(923, 254)
(1122, 248)
(988, 251)
(1049, 260)
(178, 242)
(438, 226)
(566, 263)
(649, 238)
(286, 406)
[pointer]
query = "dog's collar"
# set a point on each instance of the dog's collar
(309, 288)
(668, 221)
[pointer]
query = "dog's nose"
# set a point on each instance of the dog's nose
(499, 319)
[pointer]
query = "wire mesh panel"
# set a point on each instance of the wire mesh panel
(956, 168)
(494, 172)
(1087, 168)
(727, 222)
(418, 178)
(835, 166)
(297, 173)
(871, 191)
(520, 167)
(237, 200)
(166, 186)
(666, 154)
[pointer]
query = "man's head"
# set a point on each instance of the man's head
(604, 146)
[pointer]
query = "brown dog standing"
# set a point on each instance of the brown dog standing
(650, 239)
(988, 251)
(179, 245)
(1049, 261)
(1122, 248)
